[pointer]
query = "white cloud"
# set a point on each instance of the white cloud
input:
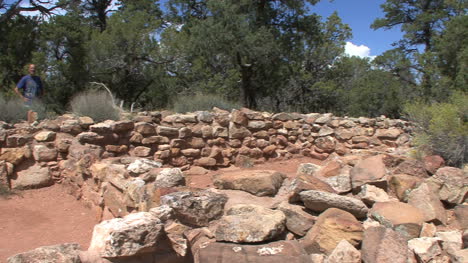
(361, 51)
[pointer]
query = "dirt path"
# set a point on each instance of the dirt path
(41, 217)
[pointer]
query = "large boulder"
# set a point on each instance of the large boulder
(319, 201)
(14, 155)
(274, 252)
(63, 253)
(298, 221)
(140, 166)
(331, 227)
(461, 214)
(170, 177)
(372, 194)
(427, 200)
(452, 183)
(388, 134)
(132, 235)
(250, 224)
(384, 245)
(259, 183)
(237, 131)
(43, 153)
(427, 249)
(411, 167)
(45, 136)
(33, 177)
(196, 208)
(370, 170)
(402, 217)
(432, 163)
(299, 185)
(401, 184)
(344, 252)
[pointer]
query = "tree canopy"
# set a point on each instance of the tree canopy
(275, 55)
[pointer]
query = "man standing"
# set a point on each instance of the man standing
(30, 88)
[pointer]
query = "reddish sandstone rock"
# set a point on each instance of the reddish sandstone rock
(135, 234)
(142, 151)
(461, 214)
(331, 227)
(259, 183)
(206, 162)
(298, 185)
(145, 128)
(250, 224)
(274, 252)
(43, 153)
(32, 177)
(344, 252)
(326, 144)
(402, 217)
(320, 201)
(432, 163)
(411, 167)
(370, 170)
(426, 199)
(63, 253)
(239, 117)
(401, 184)
(298, 221)
(389, 134)
(123, 126)
(14, 155)
(196, 208)
(45, 136)
(331, 168)
(383, 245)
(452, 183)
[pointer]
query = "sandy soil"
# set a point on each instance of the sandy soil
(42, 217)
(50, 216)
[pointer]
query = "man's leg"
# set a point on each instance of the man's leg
(32, 116)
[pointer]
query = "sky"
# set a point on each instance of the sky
(359, 15)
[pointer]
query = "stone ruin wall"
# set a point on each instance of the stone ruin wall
(113, 165)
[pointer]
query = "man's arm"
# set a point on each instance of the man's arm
(19, 94)
(19, 86)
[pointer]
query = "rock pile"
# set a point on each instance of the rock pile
(379, 215)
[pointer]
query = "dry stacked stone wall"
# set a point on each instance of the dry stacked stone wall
(115, 165)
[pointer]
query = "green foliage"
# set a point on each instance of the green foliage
(5, 191)
(95, 104)
(443, 128)
(13, 110)
(202, 102)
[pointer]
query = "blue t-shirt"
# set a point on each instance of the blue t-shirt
(30, 87)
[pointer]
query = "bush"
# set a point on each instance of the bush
(95, 104)
(442, 128)
(12, 111)
(201, 102)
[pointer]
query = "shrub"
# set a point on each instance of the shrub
(12, 111)
(200, 102)
(95, 104)
(442, 128)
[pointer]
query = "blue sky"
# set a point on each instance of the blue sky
(359, 15)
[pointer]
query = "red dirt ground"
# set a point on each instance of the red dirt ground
(50, 216)
(42, 217)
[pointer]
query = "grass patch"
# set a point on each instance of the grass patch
(95, 104)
